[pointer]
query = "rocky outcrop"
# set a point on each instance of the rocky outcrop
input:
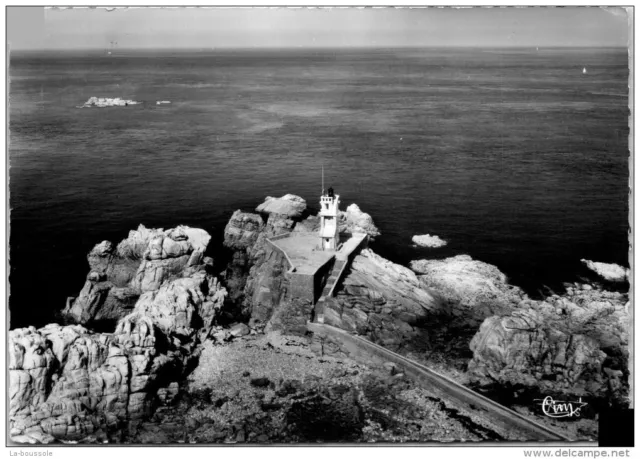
(140, 263)
(258, 284)
(390, 294)
(108, 102)
(354, 220)
(242, 231)
(473, 290)
(311, 224)
(289, 205)
(608, 271)
(255, 276)
(245, 235)
(69, 383)
(426, 240)
(574, 345)
(430, 316)
(183, 306)
(381, 300)
(266, 285)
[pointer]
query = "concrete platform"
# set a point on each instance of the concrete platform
(304, 252)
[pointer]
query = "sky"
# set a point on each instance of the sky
(35, 28)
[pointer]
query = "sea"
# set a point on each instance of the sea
(516, 157)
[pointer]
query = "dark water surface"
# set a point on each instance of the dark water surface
(513, 156)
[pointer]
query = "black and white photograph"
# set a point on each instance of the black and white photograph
(319, 226)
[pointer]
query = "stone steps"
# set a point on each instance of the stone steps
(331, 282)
(333, 279)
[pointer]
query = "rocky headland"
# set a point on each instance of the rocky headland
(193, 358)
(444, 313)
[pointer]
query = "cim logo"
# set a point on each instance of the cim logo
(558, 409)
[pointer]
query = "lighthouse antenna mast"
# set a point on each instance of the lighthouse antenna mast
(322, 179)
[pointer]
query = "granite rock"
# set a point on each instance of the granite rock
(473, 290)
(426, 240)
(561, 345)
(108, 102)
(238, 330)
(68, 383)
(289, 205)
(383, 301)
(140, 263)
(354, 220)
(242, 231)
(608, 271)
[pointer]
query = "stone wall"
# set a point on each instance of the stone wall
(321, 276)
(302, 286)
(309, 286)
(275, 247)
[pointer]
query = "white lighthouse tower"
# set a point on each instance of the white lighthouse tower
(329, 235)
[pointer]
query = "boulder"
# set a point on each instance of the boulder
(135, 245)
(198, 238)
(151, 274)
(104, 249)
(381, 300)
(174, 307)
(278, 224)
(609, 271)
(473, 289)
(289, 205)
(242, 231)
(354, 220)
(426, 240)
(238, 330)
(382, 278)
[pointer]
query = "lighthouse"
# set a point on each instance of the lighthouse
(329, 235)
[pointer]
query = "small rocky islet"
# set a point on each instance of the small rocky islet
(102, 102)
(192, 355)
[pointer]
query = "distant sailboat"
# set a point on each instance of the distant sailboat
(584, 70)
